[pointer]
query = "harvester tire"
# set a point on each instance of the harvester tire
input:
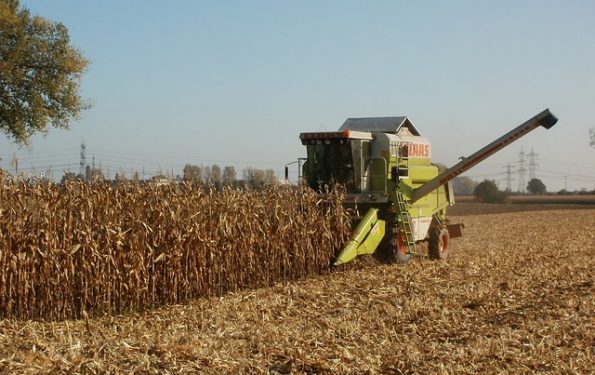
(399, 249)
(393, 249)
(439, 241)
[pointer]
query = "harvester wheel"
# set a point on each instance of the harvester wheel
(438, 245)
(400, 249)
(392, 249)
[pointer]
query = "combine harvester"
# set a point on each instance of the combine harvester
(385, 165)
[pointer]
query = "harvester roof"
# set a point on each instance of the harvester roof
(380, 124)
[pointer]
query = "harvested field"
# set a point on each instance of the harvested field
(515, 296)
(467, 205)
(541, 201)
(554, 199)
(469, 208)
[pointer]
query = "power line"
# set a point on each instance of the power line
(54, 155)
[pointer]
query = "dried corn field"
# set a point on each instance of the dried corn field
(515, 297)
(81, 249)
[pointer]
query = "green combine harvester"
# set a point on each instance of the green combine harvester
(385, 165)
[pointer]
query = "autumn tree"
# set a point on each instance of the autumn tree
(216, 176)
(258, 178)
(68, 176)
(120, 178)
(254, 177)
(192, 173)
(39, 74)
(270, 177)
(93, 174)
(206, 174)
(229, 176)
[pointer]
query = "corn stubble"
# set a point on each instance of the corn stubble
(93, 249)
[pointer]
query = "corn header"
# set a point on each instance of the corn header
(385, 165)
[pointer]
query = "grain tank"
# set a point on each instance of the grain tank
(386, 167)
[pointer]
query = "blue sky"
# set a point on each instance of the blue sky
(235, 82)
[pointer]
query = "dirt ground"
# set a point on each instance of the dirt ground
(515, 296)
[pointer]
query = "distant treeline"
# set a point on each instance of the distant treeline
(208, 176)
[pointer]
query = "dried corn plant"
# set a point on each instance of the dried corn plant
(77, 248)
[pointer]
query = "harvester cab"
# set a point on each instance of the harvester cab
(385, 165)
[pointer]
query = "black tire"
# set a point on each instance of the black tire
(439, 242)
(392, 249)
(399, 248)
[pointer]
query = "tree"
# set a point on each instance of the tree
(216, 177)
(68, 176)
(206, 173)
(463, 185)
(39, 74)
(49, 174)
(270, 177)
(254, 177)
(192, 173)
(229, 176)
(536, 186)
(592, 135)
(488, 192)
(120, 178)
(93, 174)
(258, 178)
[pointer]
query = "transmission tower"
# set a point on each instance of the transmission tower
(532, 164)
(522, 169)
(83, 162)
(509, 167)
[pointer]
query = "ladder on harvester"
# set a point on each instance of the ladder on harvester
(404, 220)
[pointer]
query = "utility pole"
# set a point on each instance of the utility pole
(509, 167)
(522, 169)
